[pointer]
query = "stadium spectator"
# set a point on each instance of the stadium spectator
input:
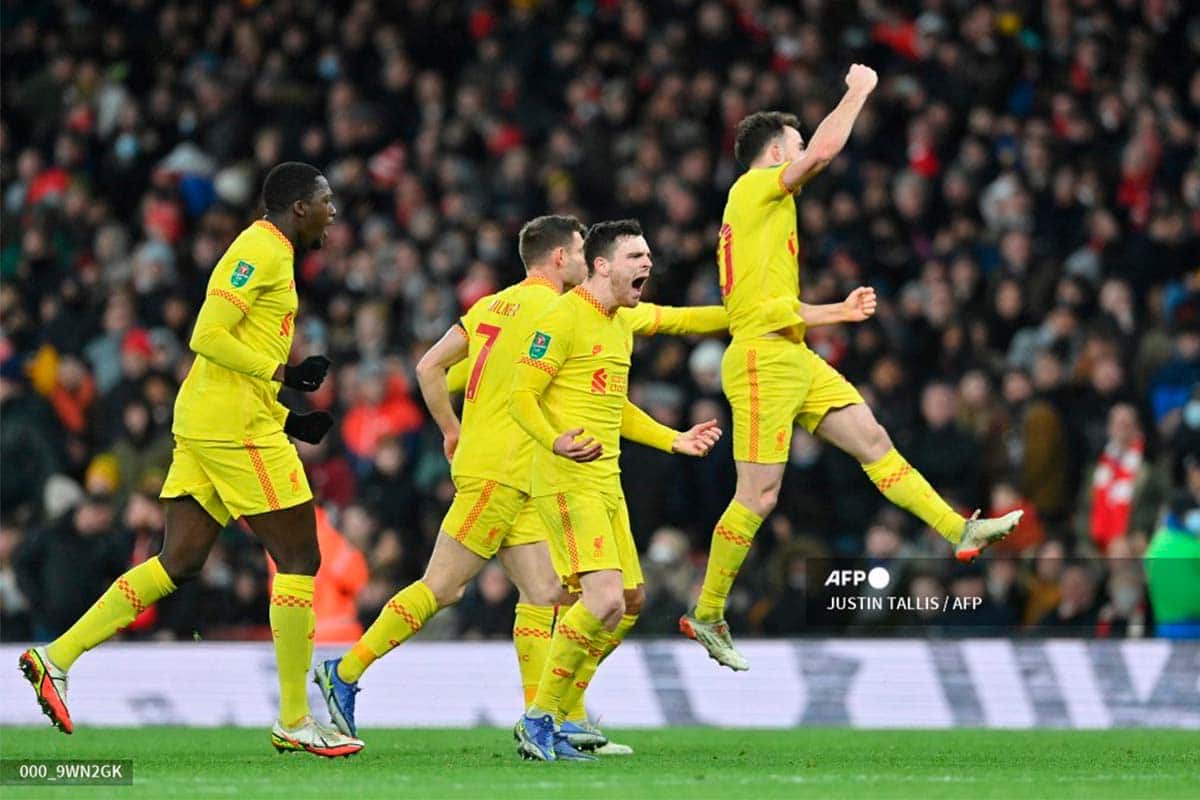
(1123, 480)
(68, 563)
(1173, 561)
(1077, 601)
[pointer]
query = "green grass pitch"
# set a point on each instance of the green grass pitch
(691, 763)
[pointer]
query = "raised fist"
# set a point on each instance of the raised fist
(861, 77)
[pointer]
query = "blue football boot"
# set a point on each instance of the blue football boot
(565, 751)
(535, 737)
(339, 695)
(583, 735)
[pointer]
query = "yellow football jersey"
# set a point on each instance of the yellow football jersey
(243, 333)
(576, 366)
(758, 256)
(490, 443)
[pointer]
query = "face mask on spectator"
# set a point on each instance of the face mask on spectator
(1126, 598)
(126, 147)
(662, 552)
(1191, 414)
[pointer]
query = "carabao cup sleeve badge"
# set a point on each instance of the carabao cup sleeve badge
(539, 345)
(241, 274)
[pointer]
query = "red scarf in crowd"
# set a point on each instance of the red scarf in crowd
(1112, 492)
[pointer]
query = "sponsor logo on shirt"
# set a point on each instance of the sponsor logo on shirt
(603, 383)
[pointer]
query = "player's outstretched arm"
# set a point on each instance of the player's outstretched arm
(649, 319)
(638, 426)
(858, 306)
(431, 377)
(831, 135)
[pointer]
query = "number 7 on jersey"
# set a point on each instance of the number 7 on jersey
(490, 333)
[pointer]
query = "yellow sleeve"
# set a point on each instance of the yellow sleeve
(212, 338)
(765, 185)
(242, 274)
(638, 426)
(549, 346)
(648, 319)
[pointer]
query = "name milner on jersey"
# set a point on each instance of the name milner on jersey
(504, 308)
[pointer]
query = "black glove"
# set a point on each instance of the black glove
(309, 428)
(307, 375)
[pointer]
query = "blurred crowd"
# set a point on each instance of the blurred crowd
(1023, 190)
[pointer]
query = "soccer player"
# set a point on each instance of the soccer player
(233, 459)
(772, 380)
(570, 395)
(491, 464)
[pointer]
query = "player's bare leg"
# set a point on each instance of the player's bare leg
(452, 566)
(290, 536)
(190, 533)
(756, 495)
(855, 430)
(450, 570)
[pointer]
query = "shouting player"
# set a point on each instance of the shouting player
(772, 380)
(570, 395)
(491, 464)
(233, 459)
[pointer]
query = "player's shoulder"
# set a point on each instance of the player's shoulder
(560, 313)
(261, 246)
(756, 179)
(535, 290)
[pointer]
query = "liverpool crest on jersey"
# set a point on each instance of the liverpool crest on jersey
(241, 274)
(540, 344)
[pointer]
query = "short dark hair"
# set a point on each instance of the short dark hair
(603, 235)
(756, 131)
(541, 235)
(288, 182)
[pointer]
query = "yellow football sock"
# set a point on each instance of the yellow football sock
(293, 625)
(573, 705)
(532, 630)
(130, 595)
(730, 542)
(405, 613)
(908, 489)
(578, 638)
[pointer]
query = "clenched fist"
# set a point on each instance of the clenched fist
(861, 77)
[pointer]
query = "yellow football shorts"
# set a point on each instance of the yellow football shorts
(772, 383)
(487, 515)
(590, 531)
(237, 479)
